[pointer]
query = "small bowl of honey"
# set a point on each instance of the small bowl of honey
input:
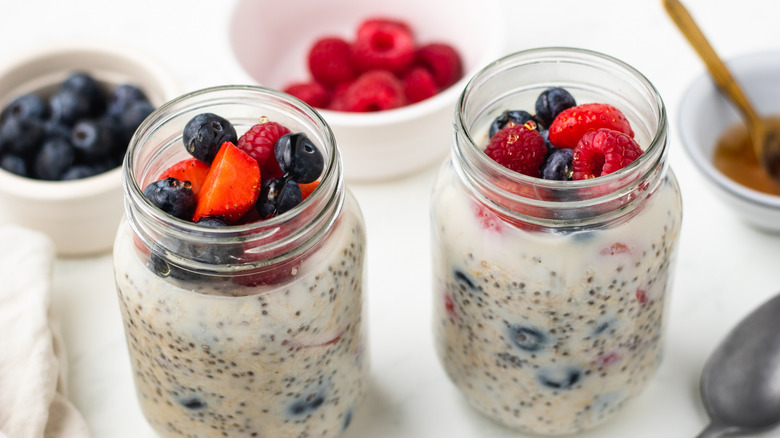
(717, 141)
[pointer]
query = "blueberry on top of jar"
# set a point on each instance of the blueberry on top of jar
(205, 133)
(551, 102)
(277, 196)
(518, 117)
(299, 158)
(172, 196)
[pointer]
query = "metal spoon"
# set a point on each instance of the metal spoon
(765, 137)
(740, 384)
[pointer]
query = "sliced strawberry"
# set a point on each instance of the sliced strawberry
(191, 169)
(306, 189)
(231, 186)
(571, 124)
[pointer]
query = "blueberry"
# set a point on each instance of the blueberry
(53, 128)
(211, 221)
(22, 137)
(518, 117)
(558, 164)
(278, 195)
(131, 119)
(551, 102)
(26, 106)
(55, 157)
(81, 171)
(88, 89)
(205, 133)
(527, 338)
(68, 107)
(464, 279)
(92, 140)
(306, 404)
(562, 377)
(299, 158)
(14, 164)
(122, 97)
(193, 403)
(347, 420)
(172, 196)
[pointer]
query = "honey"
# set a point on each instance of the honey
(735, 158)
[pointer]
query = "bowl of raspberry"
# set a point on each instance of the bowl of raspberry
(385, 76)
(67, 113)
(716, 140)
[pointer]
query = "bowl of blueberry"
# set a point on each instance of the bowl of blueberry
(67, 113)
(385, 76)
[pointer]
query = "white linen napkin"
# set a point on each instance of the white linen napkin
(33, 366)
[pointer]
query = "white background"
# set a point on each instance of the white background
(724, 267)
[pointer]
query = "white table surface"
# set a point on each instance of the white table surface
(724, 267)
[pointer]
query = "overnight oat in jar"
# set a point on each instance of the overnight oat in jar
(554, 227)
(239, 269)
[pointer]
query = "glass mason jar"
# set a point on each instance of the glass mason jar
(550, 296)
(246, 330)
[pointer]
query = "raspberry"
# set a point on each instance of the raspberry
(383, 44)
(419, 84)
(313, 93)
(519, 148)
(376, 90)
(338, 97)
(601, 152)
(442, 60)
(330, 61)
(258, 142)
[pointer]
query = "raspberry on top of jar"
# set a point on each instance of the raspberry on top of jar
(563, 140)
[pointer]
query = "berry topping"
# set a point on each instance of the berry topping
(231, 187)
(330, 61)
(259, 142)
(205, 133)
(552, 102)
(519, 148)
(558, 165)
(277, 196)
(383, 44)
(603, 151)
(518, 117)
(442, 60)
(172, 196)
(299, 159)
(571, 124)
(376, 90)
(419, 84)
(313, 93)
(191, 169)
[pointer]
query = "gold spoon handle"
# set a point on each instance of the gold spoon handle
(718, 70)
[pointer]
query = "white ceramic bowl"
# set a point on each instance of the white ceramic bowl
(81, 216)
(704, 115)
(271, 39)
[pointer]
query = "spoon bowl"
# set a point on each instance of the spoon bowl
(764, 136)
(740, 383)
